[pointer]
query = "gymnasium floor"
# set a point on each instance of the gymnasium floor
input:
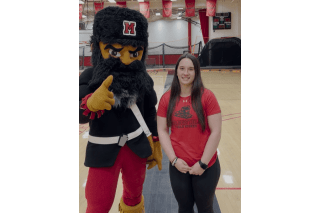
(226, 85)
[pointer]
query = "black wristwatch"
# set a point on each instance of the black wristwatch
(203, 165)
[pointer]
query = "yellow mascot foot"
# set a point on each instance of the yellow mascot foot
(139, 208)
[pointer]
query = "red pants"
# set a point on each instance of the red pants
(102, 182)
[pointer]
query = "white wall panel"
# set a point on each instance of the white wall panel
(173, 33)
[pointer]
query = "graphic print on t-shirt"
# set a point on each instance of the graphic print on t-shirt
(184, 112)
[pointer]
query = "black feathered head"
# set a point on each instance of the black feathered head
(118, 25)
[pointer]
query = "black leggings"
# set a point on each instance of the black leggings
(189, 189)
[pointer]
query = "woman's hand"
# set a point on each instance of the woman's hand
(182, 166)
(196, 169)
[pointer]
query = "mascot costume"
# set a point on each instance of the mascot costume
(118, 100)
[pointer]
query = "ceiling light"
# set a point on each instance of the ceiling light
(173, 0)
(158, 14)
(180, 8)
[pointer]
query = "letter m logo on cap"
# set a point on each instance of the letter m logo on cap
(129, 28)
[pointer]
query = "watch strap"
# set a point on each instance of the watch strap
(174, 161)
(203, 165)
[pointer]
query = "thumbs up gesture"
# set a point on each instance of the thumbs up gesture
(102, 98)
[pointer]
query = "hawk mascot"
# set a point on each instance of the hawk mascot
(118, 100)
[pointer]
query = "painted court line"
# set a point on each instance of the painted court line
(83, 127)
(219, 188)
(231, 114)
(231, 118)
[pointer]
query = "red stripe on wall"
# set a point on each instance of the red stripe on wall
(169, 59)
(151, 60)
(87, 61)
(154, 59)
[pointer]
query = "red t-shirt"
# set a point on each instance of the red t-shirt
(188, 140)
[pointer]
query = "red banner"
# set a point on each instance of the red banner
(211, 7)
(190, 8)
(144, 9)
(122, 4)
(167, 8)
(80, 11)
(204, 23)
(98, 6)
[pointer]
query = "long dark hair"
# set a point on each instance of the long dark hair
(196, 93)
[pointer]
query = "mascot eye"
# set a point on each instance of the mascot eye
(114, 53)
(133, 55)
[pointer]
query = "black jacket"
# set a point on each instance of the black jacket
(116, 122)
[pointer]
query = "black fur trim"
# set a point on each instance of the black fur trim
(130, 82)
(108, 28)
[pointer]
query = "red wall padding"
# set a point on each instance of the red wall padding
(157, 61)
(152, 59)
(87, 61)
(169, 59)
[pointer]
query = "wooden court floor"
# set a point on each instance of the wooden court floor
(226, 85)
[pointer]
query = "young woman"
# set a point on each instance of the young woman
(194, 116)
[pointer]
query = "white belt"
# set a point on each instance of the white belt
(140, 119)
(114, 140)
